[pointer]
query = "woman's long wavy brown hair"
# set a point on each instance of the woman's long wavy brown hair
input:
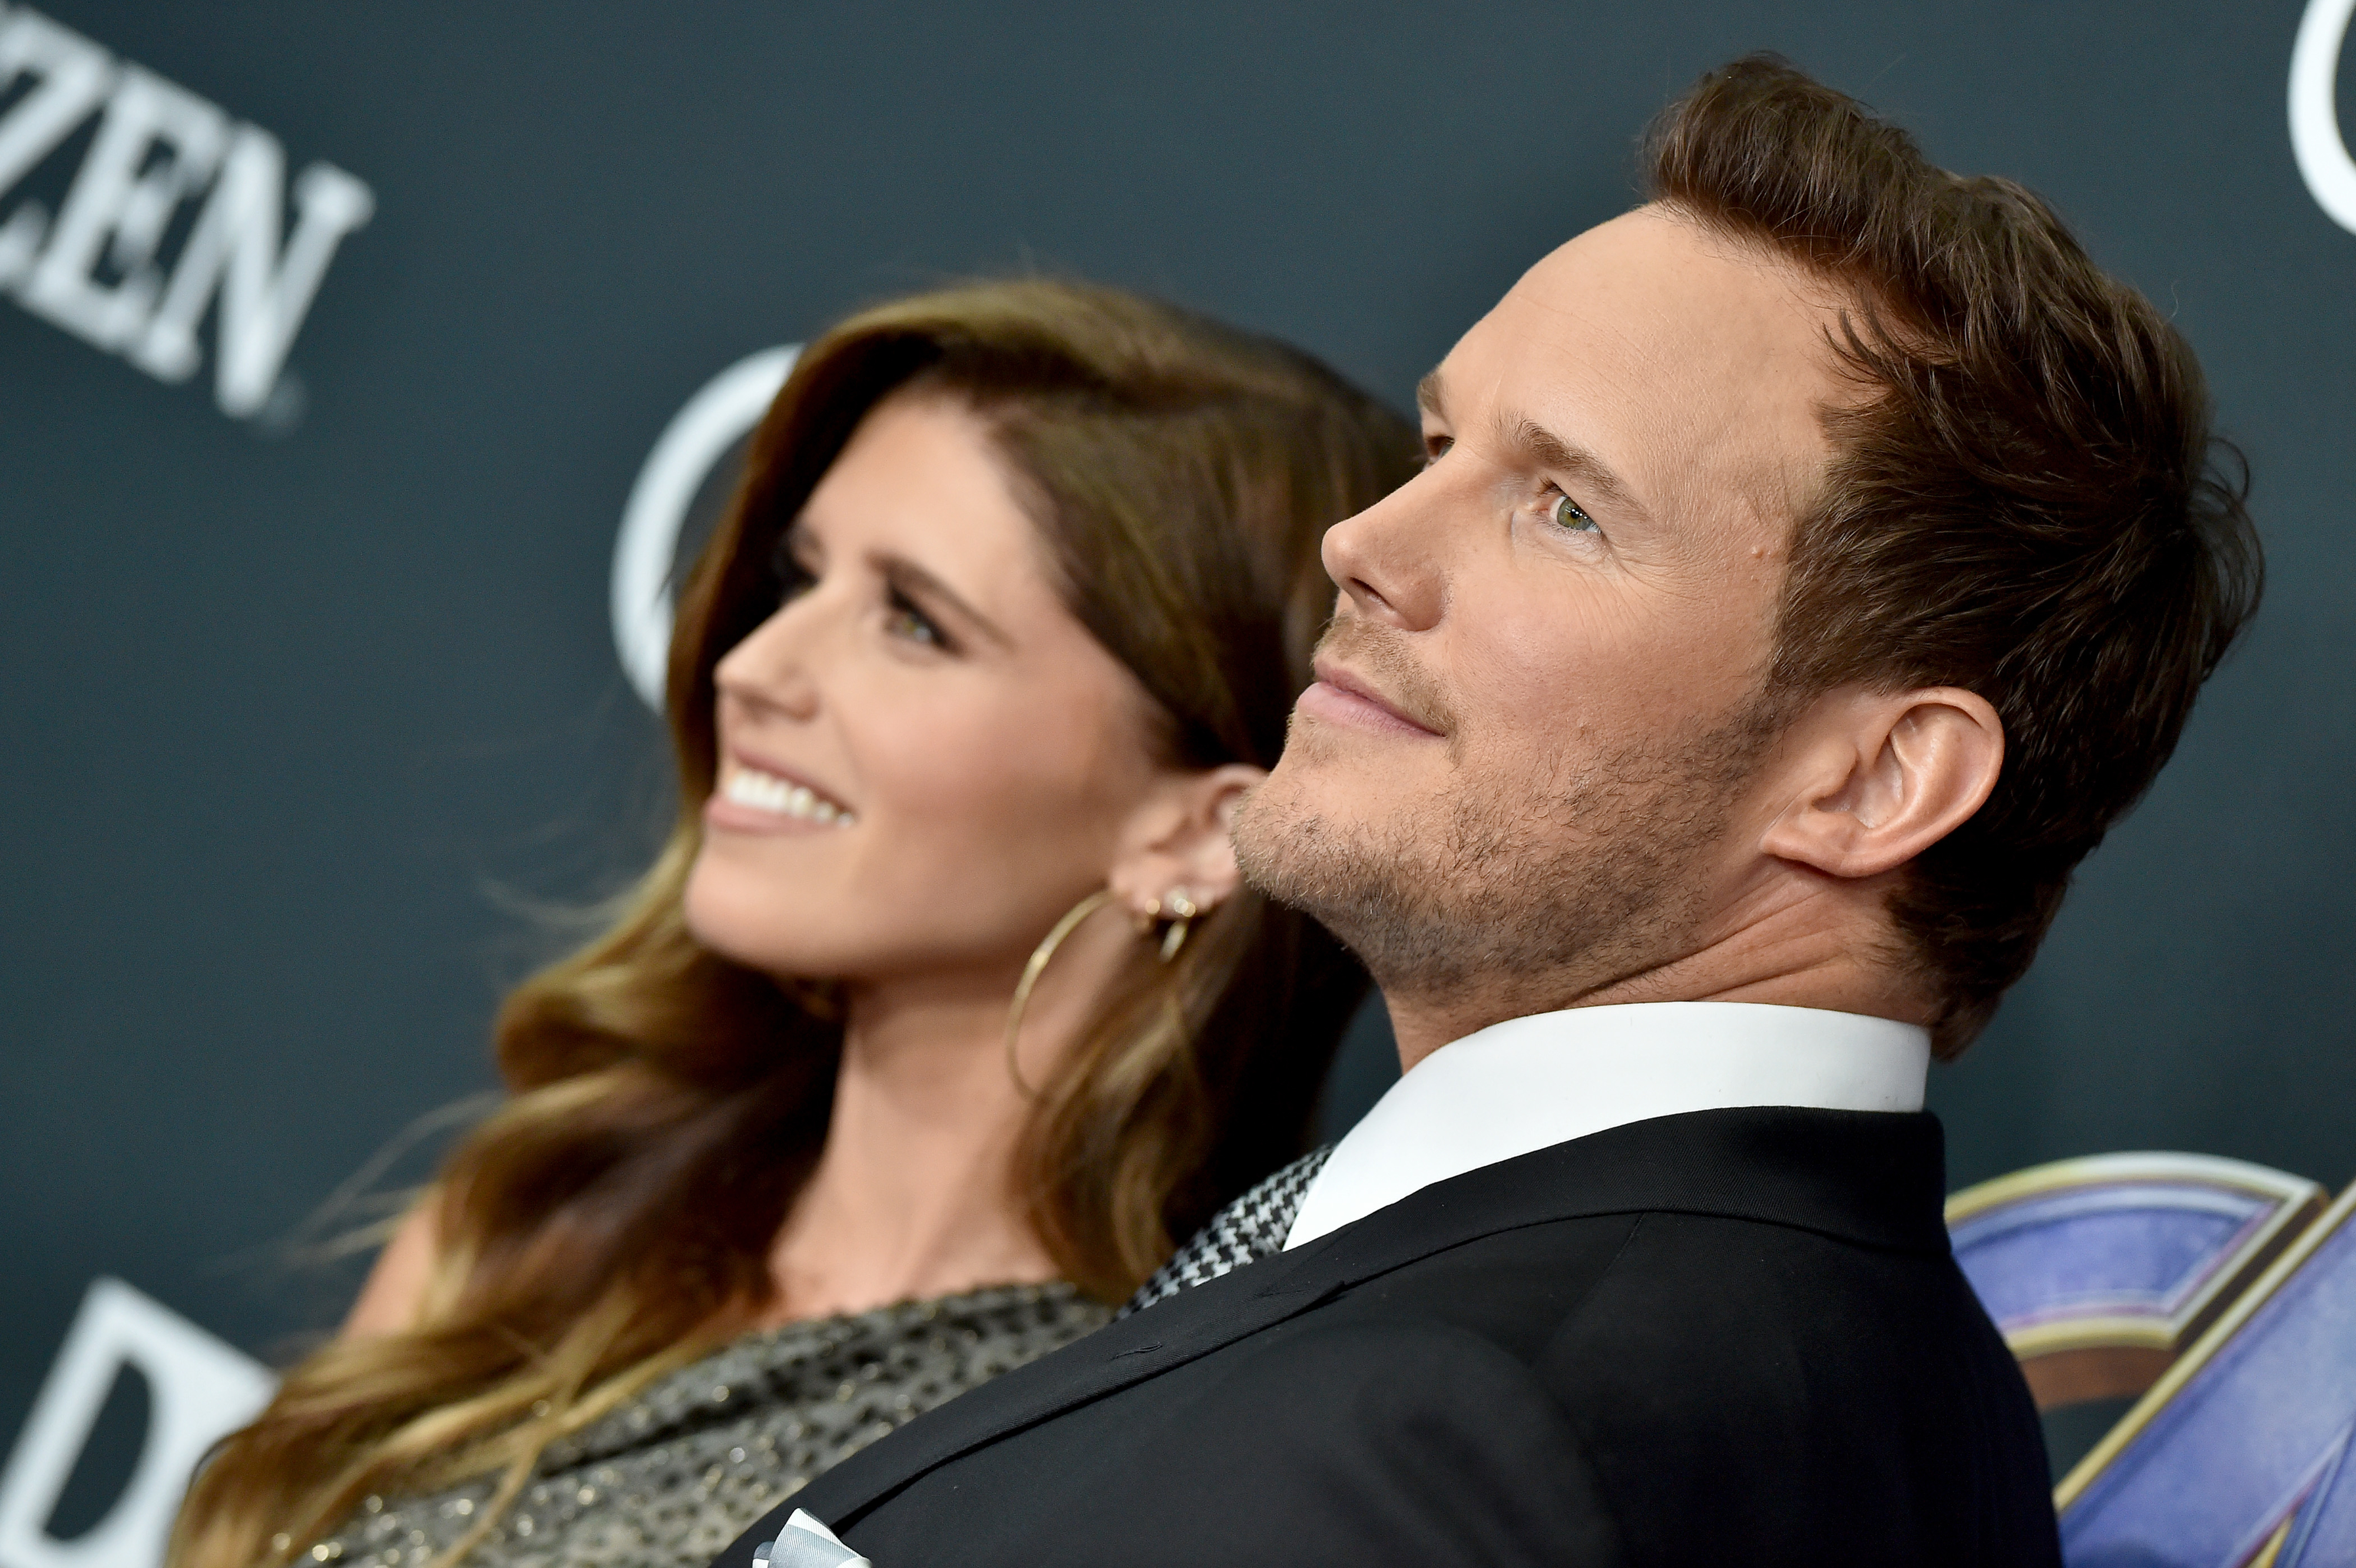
(613, 1219)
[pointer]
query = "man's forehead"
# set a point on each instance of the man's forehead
(1692, 368)
(1649, 318)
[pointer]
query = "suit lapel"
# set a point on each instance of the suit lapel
(1869, 1177)
(1143, 1345)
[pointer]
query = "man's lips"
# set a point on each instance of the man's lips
(1344, 697)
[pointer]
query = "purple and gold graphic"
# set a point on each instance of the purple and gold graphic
(2100, 1270)
(2239, 1457)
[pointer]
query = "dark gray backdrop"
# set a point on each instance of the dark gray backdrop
(299, 713)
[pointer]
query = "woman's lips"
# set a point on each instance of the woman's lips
(753, 799)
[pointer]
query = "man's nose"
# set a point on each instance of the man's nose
(1385, 558)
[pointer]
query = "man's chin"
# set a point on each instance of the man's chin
(1296, 844)
(1255, 830)
(1280, 823)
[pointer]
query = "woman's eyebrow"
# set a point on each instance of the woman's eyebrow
(909, 578)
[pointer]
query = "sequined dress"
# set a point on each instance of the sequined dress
(671, 1477)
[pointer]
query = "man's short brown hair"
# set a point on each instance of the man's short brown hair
(2027, 503)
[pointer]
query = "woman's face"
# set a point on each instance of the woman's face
(923, 759)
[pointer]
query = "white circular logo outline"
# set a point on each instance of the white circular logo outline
(716, 418)
(2315, 140)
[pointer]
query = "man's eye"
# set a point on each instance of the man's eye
(1567, 514)
(1435, 447)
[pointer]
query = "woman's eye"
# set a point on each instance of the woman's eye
(794, 579)
(1567, 514)
(1435, 447)
(902, 618)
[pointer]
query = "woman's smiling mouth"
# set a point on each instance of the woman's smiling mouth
(756, 789)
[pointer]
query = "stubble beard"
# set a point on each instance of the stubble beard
(1530, 893)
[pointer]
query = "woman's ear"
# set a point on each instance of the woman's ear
(1177, 841)
(1881, 776)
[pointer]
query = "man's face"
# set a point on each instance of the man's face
(1528, 767)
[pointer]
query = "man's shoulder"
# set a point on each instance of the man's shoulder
(1723, 1375)
(1636, 1287)
(1758, 1238)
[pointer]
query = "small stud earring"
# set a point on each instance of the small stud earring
(1183, 909)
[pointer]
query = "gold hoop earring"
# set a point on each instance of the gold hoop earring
(1037, 966)
(1183, 910)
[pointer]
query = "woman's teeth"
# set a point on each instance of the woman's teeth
(768, 792)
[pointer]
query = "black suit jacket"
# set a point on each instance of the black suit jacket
(1732, 1337)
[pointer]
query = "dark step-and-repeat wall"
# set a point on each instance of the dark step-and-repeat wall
(363, 369)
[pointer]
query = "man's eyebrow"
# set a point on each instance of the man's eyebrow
(1430, 394)
(906, 576)
(1577, 463)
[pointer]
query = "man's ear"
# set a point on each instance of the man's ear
(1178, 841)
(1881, 776)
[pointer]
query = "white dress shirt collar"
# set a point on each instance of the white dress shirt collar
(1530, 1083)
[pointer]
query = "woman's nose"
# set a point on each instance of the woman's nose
(770, 668)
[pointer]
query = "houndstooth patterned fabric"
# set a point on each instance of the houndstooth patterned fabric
(1253, 1226)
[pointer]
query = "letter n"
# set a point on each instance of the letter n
(234, 252)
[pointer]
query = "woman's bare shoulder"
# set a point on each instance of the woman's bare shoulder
(395, 1291)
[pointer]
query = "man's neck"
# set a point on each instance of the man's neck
(1818, 948)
